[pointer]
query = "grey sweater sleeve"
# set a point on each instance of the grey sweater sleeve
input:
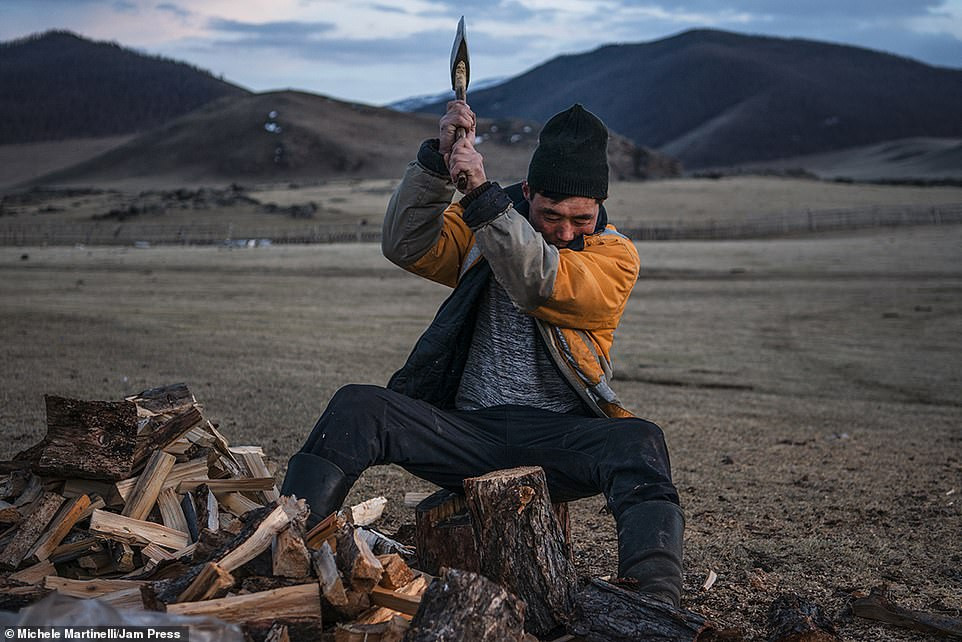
(413, 221)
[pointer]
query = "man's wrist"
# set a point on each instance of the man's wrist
(486, 203)
(431, 159)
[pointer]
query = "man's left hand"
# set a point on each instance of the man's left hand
(465, 158)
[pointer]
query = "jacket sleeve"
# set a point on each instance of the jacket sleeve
(423, 232)
(585, 289)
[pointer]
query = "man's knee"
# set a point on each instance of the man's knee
(637, 436)
(357, 396)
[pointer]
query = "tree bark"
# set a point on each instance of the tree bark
(607, 613)
(521, 543)
(461, 605)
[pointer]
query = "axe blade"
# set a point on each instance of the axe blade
(459, 53)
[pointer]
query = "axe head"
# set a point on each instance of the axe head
(459, 53)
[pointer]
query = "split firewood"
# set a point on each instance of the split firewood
(133, 531)
(278, 633)
(165, 432)
(58, 528)
(412, 499)
(381, 544)
(123, 557)
(91, 487)
(289, 554)
(395, 600)
(30, 531)
(163, 400)
(792, 618)
(151, 482)
(358, 565)
(13, 483)
(467, 606)
(88, 588)
(89, 439)
(302, 600)
(212, 582)
(76, 549)
(521, 543)
(187, 505)
(130, 599)
(390, 630)
(34, 574)
(207, 509)
(9, 514)
(286, 511)
(396, 572)
(238, 504)
(241, 484)
(299, 629)
(323, 531)
(368, 512)
(156, 553)
(325, 567)
(880, 607)
(171, 512)
(251, 460)
(608, 613)
(194, 470)
(14, 598)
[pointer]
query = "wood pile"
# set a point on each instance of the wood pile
(143, 504)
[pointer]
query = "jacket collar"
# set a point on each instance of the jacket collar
(522, 207)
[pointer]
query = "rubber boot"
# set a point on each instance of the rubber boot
(650, 537)
(321, 482)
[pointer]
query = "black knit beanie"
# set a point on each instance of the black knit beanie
(572, 156)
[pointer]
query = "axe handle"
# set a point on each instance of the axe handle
(460, 92)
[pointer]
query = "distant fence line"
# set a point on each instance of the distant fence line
(789, 223)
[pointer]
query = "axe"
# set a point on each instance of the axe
(460, 75)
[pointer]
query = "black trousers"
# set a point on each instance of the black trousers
(625, 459)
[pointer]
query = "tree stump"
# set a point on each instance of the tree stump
(460, 605)
(445, 537)
(521, 543)
(608, 613)
(794, 619)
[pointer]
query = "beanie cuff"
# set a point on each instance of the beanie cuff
(589, 187)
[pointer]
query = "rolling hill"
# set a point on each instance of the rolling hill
(58, 85)
(716, 98)
(281, 136)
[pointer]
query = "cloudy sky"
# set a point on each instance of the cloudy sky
(377, 51)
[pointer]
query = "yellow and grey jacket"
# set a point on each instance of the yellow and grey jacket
(577, 294)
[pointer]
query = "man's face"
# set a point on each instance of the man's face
(560, 222)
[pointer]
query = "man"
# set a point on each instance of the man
(514, 369)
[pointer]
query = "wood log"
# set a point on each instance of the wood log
(13, 483)
(445, 536)
(34, 574)
(792, 618)
(30, 531)
(460, 605)
(358, 565)
(171, 512)
(76, 487)
(325, 567)
(58, 528)
(187, 505)
(88, 588)
(390, 630)
(323, 531)
(521, 543)
(396, 572)
(302, 600)
(149, 485)
(14, 598)
(163, 400)
(77, 549)
(878, 606)
(130, 599)
(395, 600)
(608, 613)
(9, 514)
(286, 511)
(164, 433)
(237, 503)
(122, 555)
(89, 439)
(299, 629)
(289, 554)
(251, 460)
(212, 582)
(278, 633)
(133, 531)
(194, 469)
(240, 484)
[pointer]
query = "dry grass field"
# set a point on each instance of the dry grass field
(809, 387)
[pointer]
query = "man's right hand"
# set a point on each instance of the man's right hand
(457, 115)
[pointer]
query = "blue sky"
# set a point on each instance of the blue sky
(377, 51)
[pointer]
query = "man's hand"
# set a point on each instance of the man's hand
(460, 155)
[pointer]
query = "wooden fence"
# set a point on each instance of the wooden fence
(32, 233)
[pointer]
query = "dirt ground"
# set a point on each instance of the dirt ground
(809, 388)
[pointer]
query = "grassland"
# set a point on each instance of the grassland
(809, 387)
